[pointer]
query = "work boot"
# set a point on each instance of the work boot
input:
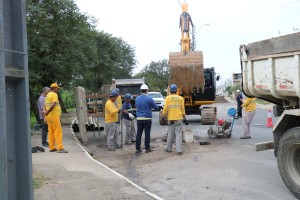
(62, 151)
(148, 150)
(110, 149)
(52, 150)
(168, 150)
(33, 150)
(138, 151)
(41, 149)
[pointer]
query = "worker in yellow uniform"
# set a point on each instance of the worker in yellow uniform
(250, 107)
(174, 109)
(111, 122)
(52, 112)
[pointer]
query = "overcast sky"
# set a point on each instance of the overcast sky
(152, 26)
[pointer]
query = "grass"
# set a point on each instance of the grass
(33, 119)
(39, 181)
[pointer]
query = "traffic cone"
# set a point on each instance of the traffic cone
(270, 121)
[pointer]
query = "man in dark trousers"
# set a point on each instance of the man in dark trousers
(144, 105)
(41, 104)
(239, 100)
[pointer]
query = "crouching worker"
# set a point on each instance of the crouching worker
(174, 109)
(111, 122)
(128, 120)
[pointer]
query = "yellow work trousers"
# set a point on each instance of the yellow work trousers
(54, 133)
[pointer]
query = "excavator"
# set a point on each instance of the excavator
(196, 84)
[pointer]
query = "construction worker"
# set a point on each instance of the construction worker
(144, 105)
(250, 107)
(239, 101)
(174, 109)
(118, 100)
(52, 112)
(128, 120)
(111, 122)
(184, 24)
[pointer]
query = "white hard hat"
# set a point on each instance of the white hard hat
(144, 87)
(238, 91)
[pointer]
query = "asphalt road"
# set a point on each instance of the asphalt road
(225, 169)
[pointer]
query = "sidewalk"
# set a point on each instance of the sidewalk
(76, 175)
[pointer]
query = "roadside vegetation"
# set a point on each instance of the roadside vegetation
(64, 46)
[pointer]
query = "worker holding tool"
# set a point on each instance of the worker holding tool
(111, 122)
(174, 109)
(128, 120)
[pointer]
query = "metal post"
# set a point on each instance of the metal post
(15, 137)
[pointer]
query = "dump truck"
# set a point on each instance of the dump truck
(271, 71)
(196, 84)
(130, 85)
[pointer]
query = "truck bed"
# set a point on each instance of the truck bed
(271, 69)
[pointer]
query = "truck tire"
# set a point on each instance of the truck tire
(288, 159)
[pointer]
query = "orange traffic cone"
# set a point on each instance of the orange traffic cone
(270, 121)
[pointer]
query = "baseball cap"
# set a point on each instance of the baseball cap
(54, 85)
(114, 94)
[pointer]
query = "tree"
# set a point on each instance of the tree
(60, 44)
(115, 59)
(156, 75)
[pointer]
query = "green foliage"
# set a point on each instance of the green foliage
(232, 89)
(32, 120)
(156, 75)
(115, 59)
(64, 47)
(68, 98)
(60, 41)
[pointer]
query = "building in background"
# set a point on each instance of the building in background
(236, 79)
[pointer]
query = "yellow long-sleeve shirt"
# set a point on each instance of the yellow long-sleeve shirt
(119, 102)
(249, 105)
(111, 112)
(49, 99)
(174, 107)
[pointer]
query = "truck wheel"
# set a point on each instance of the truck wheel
(288, 159)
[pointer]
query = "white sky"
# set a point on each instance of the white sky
(152, 26)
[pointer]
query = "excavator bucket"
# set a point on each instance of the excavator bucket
(186, 70)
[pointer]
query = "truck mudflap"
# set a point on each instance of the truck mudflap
(208, 115)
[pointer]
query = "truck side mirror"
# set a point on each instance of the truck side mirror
(218, 77)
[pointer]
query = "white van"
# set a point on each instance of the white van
(158, 99)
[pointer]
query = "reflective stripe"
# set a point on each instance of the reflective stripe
(142, 118)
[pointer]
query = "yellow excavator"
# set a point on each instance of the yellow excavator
(196, 84)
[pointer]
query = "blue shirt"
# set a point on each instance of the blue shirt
(144, 106)
(127, 106)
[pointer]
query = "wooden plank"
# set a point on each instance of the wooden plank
(283, 44)
(264, 146)
(99, 96)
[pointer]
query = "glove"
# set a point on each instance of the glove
(131, 116)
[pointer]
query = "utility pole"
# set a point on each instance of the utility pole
(15, 135)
